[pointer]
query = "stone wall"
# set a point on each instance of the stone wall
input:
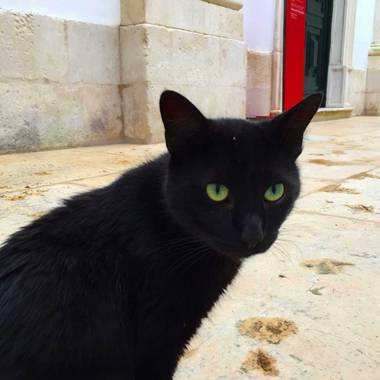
(66, 83)
(59, 83)
(372, 101)
(357, 79)
(189, 46)
(372, 105)
(259, 84)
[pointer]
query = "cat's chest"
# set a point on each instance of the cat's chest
(191, 294)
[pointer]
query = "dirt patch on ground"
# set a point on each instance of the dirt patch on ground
(338, 189)
(320, 161)
(124, 162)
(260, 360)
(361, 207)
(21, 196)
(326, 266)
(42, 173)
(363, 176)
(272, 330)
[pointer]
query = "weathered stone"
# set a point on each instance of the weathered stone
(373, 80)
(134, 54)
(191, 15)
(259, 84)
(94, 55)
(357, 89)
(210, 70)
(173, 56)
(372, 107)
(233, 4)
(45, 116)
(141, 110)
(132, 12)
(135, 111)
(32, 47)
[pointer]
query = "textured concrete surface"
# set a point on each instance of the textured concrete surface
(307, 309)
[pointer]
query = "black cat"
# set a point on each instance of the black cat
(113, 284)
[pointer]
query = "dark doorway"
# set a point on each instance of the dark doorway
(318, 30)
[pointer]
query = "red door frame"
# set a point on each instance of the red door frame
(294, 52)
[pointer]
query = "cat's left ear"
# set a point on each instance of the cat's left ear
(183, 121)
(290, 126)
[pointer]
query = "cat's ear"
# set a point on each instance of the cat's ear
(290, 126)
(182, 120)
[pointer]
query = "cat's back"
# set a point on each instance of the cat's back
(60, 271)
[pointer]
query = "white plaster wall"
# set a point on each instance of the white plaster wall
(363, 36)
(259, 17)
(376, 26)
(104, 12)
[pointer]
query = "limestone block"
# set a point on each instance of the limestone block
(357, 89)
(374, 59)
(135, 111)
(134, 54)
(194, 59)
(141, 109)
(373, 80)
(94, 55)
(208, 69)
(372, 100)
(132, 12)
(233, 4)
(32, 47)
(190, 15)
(170, 56)
(45, 116)
(372, 104)
(259, 84)
(232, 63)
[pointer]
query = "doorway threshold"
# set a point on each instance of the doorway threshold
(326, 113)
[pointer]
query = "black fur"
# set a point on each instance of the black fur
(113, 284)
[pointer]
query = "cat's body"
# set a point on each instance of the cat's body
(113, 284)
(106, 286)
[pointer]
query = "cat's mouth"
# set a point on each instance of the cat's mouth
(239, 252)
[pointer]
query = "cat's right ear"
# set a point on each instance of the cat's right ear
(182, 120)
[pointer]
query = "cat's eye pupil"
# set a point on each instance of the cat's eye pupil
(274, 192)
(217, 192)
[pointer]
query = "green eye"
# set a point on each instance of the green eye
(217, 192)
(274, 192)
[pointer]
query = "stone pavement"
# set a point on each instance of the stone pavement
(307, 309)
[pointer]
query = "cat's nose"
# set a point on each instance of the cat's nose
(252, 231)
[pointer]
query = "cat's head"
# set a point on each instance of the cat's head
(232, 183)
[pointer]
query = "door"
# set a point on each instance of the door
(318, 28)
(294, 52)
